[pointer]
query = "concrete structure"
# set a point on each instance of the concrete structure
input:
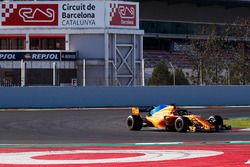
(95, 43)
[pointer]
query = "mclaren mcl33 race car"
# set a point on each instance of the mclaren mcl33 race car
(171, 118)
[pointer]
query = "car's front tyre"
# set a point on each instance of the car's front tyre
(216, 121)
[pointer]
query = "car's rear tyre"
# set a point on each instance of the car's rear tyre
(134, 122)
(216, 121)
(181, 124)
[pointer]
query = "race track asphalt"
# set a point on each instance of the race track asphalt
(101, 126)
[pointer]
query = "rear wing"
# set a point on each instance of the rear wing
(135, 111)
(138, 110)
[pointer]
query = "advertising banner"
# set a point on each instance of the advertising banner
(69, 14)
(80, 14)
(10, 56)
(68, 56)
(29, 14)
(38, 56)
(42, 56)
(72, 14)
(122, 14)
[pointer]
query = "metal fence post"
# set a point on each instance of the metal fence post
(143, 71)
(83, 72)
(23, 68)
(54, 73)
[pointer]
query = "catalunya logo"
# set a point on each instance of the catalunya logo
(127, 12)
(123, 14)
(29, 15)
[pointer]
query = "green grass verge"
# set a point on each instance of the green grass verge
(243, 123)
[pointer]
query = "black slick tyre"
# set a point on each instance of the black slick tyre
(181, 124)
(134, 122)
(216, 120)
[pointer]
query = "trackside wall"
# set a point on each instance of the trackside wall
(67, 97)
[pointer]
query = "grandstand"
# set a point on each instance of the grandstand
(170, 24)
(154, 57)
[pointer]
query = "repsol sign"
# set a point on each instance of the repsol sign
(45, 56)
(10, 56)
(7, 56)
(37, 56)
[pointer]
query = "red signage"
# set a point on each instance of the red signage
(70, 14)
(123, 14)
(29, 14)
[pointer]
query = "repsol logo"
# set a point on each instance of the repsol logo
(45, 56)
(7, 56)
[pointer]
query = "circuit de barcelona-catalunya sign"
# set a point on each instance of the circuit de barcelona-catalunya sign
(69, 14)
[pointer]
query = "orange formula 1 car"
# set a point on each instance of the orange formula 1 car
(171, 118)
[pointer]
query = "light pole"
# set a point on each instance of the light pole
(201, 75)
(228, 76)
(227, 63)
(173, 71)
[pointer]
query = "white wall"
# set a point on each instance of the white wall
(90, 46)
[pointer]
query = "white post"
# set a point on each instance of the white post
(142, 61)
(67, 42)
(83, 72)
(143, 72)
(27, 42)
(54, 73)
(23, 67)
(116, 83)
(134, 60)
(106, 50)
(173, 70)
